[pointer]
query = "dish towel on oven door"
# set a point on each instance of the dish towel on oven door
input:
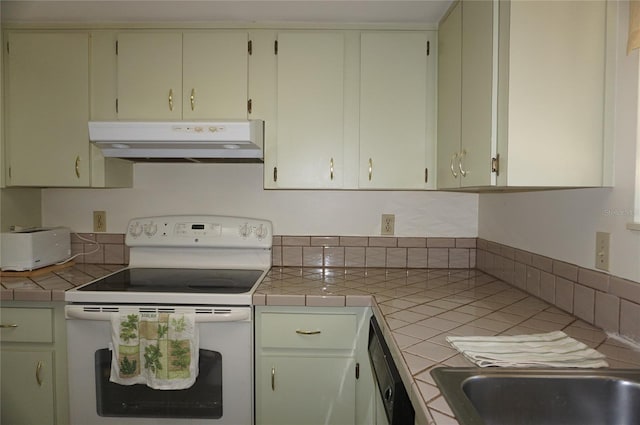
(156, 349)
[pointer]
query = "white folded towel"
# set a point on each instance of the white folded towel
(156, 349)
(553, 349)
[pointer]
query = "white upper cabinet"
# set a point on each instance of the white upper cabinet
(47, 109)
(215, 67)
(531, 85)
(397, 109)
(171, 75)
(310, 110)
(354, 110)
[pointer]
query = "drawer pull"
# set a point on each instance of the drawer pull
(10, 325)
(38, 370)
(301, 332)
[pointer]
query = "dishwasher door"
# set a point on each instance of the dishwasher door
(393, 395)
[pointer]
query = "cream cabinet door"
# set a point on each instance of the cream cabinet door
(478, 133)
(397, 97)
(27, 387)
(306, 390)
(310, 110)
(215, 67)
(47, 109)
(449, 98)
(150, 75)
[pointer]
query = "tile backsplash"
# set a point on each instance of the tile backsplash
(609, 302)
(375, 251)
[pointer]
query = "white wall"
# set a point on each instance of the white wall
(236, 189)
(563, 224)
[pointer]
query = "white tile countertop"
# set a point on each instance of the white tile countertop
(420, 307)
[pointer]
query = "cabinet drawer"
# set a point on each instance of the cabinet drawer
(26, 325)
(330, 331)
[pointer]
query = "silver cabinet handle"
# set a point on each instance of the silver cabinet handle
(453, 170)
(192, 99)
(78, 166)
(171, 99)
(331, 168)
(10, 325)
(38, 370)
(463, 172)
(301, 332)
(370, 168)
(273, 378)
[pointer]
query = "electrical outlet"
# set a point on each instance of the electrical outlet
(99, 221)
(388, 224)
(602, 250)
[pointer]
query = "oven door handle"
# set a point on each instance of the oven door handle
(240, 315)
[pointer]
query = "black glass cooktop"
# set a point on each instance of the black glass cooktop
(210, 281)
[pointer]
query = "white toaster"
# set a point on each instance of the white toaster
(34, 248)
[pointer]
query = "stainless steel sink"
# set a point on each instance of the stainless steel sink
(541, 396)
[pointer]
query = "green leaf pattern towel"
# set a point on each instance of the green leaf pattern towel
(156, 349)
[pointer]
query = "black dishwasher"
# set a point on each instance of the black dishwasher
(397, 404)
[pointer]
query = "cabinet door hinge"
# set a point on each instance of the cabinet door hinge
(249, 105)
(275, 47)
(495, 165)
(250, 47)
(426, 175)
(428, 48)
(275, 174)
(116, 47)
(357, 370)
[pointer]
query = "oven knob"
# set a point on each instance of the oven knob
(150, 229)
(245, 230)
(261, 231)
(135, 230)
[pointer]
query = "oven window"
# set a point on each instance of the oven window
(202, 400)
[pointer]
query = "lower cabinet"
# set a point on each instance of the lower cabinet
(312, 366)
(27, 387)
(33, 364)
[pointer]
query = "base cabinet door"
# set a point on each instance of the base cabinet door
(27, 388)
(307, 390)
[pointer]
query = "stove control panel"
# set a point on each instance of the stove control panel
(199, 231)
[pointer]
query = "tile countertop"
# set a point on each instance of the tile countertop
(51, 286)
(420, 307)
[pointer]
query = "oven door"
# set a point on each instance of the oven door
(222, 394)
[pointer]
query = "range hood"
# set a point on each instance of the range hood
(179, 140)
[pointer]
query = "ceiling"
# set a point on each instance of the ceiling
(263, 11)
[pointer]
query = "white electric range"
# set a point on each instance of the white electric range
(202, 264)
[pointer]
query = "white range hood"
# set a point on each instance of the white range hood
(197, 140)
